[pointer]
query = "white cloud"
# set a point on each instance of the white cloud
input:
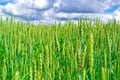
(57, 4)
(54, 10)
(117, 12)
(93, 16)
(11, 8)
(25, 7)
(112, 2)
(48, 14)
(84, 6)
(36, 4)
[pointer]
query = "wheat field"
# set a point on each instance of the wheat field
(82, 51)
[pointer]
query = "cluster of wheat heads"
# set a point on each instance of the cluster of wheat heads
(69, 51)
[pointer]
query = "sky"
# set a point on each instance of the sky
(49, 11)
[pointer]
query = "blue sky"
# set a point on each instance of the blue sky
(112, 9)
(55, 10)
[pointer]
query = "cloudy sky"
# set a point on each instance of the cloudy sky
(49, 11)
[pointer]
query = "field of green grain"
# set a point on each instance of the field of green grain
(69, 51)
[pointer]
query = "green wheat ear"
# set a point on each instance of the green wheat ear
(91, 53)
(83, 74)
(17, 75)
(35, 71)
(103, 74)
(4, 71)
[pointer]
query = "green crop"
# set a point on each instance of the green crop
(69, 51)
